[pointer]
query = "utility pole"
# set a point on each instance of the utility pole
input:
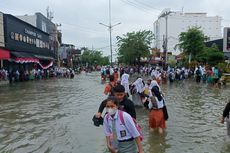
(165, 41)
(110, 26)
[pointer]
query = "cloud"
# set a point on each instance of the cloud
(80, 18)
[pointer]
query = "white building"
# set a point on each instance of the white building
(177, 22)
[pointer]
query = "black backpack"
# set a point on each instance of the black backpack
(198, 73)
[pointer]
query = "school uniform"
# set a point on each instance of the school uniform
(125, 82)
(123, 133)
(156, 115)
(139, 87)
(125, 105)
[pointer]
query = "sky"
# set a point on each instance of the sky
(80, 19)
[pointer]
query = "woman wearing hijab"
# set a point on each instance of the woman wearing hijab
(125, 82)
(156, 114)
(137, 89)
(153, 83)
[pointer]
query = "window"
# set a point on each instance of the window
(44, 26)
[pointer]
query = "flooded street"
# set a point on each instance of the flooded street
(54, 116)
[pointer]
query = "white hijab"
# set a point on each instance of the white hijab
(124, 79)
(139, 85)
(153, 83)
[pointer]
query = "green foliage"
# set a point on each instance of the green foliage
(223, 66)
(93, 57)
(172, 63)
(211, 56)
(192, 41)
(132, 46)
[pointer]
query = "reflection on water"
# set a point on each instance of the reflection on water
(55, 116)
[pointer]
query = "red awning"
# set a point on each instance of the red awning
(4, 54)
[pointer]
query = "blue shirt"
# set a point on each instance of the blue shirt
(123, 131)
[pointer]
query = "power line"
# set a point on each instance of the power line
(147, 6)
(137, 6)
(83, 29)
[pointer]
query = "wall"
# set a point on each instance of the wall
(2, 40)
(180, 22)
(31, 19)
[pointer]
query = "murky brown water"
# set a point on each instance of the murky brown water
(54, 116)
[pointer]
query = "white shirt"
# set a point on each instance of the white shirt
(160, 104)
(139, 85)
(123, 132)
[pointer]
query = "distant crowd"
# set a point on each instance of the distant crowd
(205, 74)
(35, 74)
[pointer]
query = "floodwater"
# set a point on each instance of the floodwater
(54, 116)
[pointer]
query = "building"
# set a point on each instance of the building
(43, 23)
(69, 56)
(24, 45)
(171, 23)
(217, 42)
(4, 54)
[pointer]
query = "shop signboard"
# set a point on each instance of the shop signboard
(23, 37)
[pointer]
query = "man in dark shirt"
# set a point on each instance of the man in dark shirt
(125, 104)
(226, 114)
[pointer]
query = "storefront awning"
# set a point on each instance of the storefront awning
(29, 55)
(23, 57)
(4, 54)
(44, 57)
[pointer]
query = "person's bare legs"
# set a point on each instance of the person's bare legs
(160, 130)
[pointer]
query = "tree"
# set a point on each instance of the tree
(192, 42)
(211, 55)
(132, 46)
(214, 55)
(93, 57)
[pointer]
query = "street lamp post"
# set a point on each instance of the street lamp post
(165, 40)
(110, 26)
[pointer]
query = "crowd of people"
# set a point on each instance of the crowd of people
(205, 74)
(143, 92)
(17, 75)
(125, 136)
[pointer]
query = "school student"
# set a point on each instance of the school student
(121, 137)
(109, 87)
(138, 87)
(125, 104)
(156, 115)
(225, 116)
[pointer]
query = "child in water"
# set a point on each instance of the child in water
(120, 137)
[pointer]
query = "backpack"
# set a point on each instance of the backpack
(198, 73)
(133, 89)
(139, 129)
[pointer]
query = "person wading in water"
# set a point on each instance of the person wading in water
(125, 104)
(121, 133)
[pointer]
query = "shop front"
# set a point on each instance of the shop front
(4, 55)
(27, 46)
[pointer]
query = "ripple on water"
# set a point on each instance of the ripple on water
(55, 116)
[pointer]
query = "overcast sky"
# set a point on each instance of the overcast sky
(80, 18)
